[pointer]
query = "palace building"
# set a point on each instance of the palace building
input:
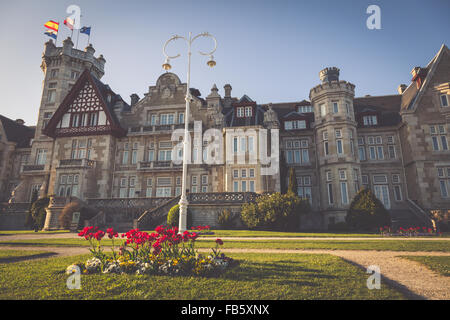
(91, 144)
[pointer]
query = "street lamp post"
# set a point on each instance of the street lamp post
(182, 224)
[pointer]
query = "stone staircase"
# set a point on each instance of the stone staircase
(156, 216)
(411, 216)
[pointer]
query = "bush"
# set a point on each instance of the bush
(225, 219)
(173, 216)
(65, 218)
(367, 213)
(292, 187)
(275, 212)
(38, 212)
(338, 226)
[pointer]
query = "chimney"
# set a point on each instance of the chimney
(419, 75)
(134, 99)
(329, 74)
(20, 121)
(401, 88)
(227, 89)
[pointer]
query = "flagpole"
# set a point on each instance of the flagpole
(57, 32)
(78, 38)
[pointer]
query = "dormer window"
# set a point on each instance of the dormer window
(444, 100)
(248, 111)
(305, 109)
(295, 124)
(240, 112)
(370, 120)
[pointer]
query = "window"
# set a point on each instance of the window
(250, 144)
(68, 185)
(181, 117)
(438, 138)
(304, 188)
(362, 153)
(444, 182)
(41, 156)
(323, 110)
(235, 173)
(335, 107)
(390, 140)
(235, 186)
(54, 73)
(340, 149)
(248, 111)
(244, 186)
(379, 179)
(47, 117)
(149, 192)
(365, 179)
(125, 157)
(151, 155)
(325, 148)
(81, 148)
(347, 108)
(344, 194)
(370, 120)
(251, 186)
(243, 144)
(342, 175)
(74, 75)
(165, 155)
(251, 173)
(244, 173)
(395, 178)
(329, 175)
(370, 140)
(397, 193)
(204, 179)
(382, 193)
(240, 112)
(295, 124)
(338, 133)
(378, 140)
(361, 141)
(444, 100)
(391, 152)
(380, 153)
(51, 94)
(297, 151)
(305, 109)
(153, 119)
(194, 180)
(330, 193)
(163, 192)
(235, 144)
(372, 153)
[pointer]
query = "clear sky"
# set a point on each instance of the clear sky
(270, 50)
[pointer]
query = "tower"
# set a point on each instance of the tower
(335, 134)
(61, 66)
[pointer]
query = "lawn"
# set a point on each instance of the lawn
(17, 255)
(435, 263)
(11, 232)
(259, 276)
(385, 245)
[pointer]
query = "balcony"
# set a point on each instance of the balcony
(158, 165)
(157, 128)
(76, 163)
(33, 168)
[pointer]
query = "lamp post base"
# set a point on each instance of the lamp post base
(182, 222)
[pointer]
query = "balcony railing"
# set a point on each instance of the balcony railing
(85, 163)
(222, 197)
(33, 167)
(157, 165)
(158, 128)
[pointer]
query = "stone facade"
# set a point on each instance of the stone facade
(89, 143)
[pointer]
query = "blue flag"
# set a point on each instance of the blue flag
(51, 34)
(86, 30)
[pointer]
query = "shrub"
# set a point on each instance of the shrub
(367, 213)
(38, 212)
(225, 219)
(173, 216)
(275, 212)
(292, 187)
(65, 218)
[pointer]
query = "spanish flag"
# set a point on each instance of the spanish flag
(52, 25)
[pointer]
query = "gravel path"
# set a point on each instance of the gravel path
(413, 279)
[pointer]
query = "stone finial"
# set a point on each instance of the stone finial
(89, 49)
(329, 74)
(68, 43)
(227, 89)
(134, 99)
(401, 88)
(214, 88)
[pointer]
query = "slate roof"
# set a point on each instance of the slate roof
(233, 121)
(387, 107)
(17, 132)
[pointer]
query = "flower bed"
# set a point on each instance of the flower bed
(203, 230)
(164, 251)
(409, 232)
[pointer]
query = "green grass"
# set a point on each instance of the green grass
(276, 276)
(251, 233)
(15, 255)
(12, 232)
(435, 263)
(383, 245)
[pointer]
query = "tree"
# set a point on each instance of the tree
(38, 212)
(173, 216)
(275, 211)
(86, 213)
(292, 187)
(367, 212)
